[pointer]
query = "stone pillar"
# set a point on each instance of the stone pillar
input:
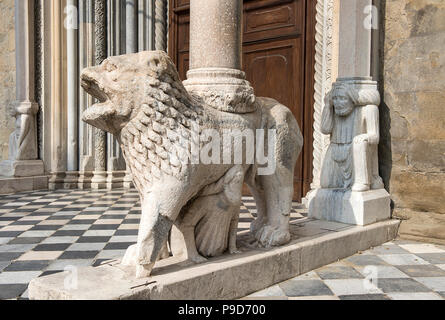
(160, 13)
(72, 84)
(215, 56)
(324, 76)
(23, 150)
(115, 161)
(86, 59)
(131, 36)
(132, 25)
(100, 137)
(146, 25)
(355, 33)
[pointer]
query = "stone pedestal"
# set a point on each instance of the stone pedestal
(24, 168)
(346, 206)
(314, 244)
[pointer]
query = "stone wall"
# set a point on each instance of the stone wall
(413, 115)
(7, 73)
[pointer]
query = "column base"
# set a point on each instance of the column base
(22, 168)
(222, 88)
(99, 180)
(346, 206)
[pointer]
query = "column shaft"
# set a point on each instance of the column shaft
(160, 14)
(100, 136)
(215, 56)
(355, 39)
(132, 25)
(215, 33)
(72, 83)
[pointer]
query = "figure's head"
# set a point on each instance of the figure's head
(343, 100)
(122, 84)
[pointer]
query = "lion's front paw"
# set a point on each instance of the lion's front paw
(257, 225)
(144, 271)
(268, 236)
(130, 257)
(197, 259)
(234, 250)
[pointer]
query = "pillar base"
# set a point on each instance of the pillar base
(222, 88)
(99, 180)
(22, 168)
(346, 206)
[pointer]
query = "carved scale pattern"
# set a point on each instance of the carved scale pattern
(158, 139)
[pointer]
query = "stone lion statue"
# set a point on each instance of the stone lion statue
(159, 124)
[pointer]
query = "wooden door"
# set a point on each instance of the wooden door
(278, 58)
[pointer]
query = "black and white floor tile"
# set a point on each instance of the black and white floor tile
(398, 270)
(47, 231)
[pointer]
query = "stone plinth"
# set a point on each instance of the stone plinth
(226, 277)
(10, 185)
(21, 168)
(346, 206)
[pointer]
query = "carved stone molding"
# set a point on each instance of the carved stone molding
(160, 25)
(323, 79)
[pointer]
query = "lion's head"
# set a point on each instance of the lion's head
(122, 84)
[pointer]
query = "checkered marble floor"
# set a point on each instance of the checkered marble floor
(398, 270)
(48, 231)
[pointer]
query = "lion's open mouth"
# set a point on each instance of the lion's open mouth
(99, 114)
(91, 86)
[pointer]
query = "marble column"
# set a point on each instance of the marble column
(23, 150)
(86, 59)
(72, 27)
(131, 25)
(115, 161)
(131, 39)
(355, 33)
(99, 179)
(57, 119)
(215, 56)
(160, 14)
(145, 25)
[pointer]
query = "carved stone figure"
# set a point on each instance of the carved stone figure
(22, 144)
(158, 124)
(351, 118)
(351, 188)
(209, 225)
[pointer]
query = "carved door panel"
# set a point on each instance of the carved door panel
(278, 58)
